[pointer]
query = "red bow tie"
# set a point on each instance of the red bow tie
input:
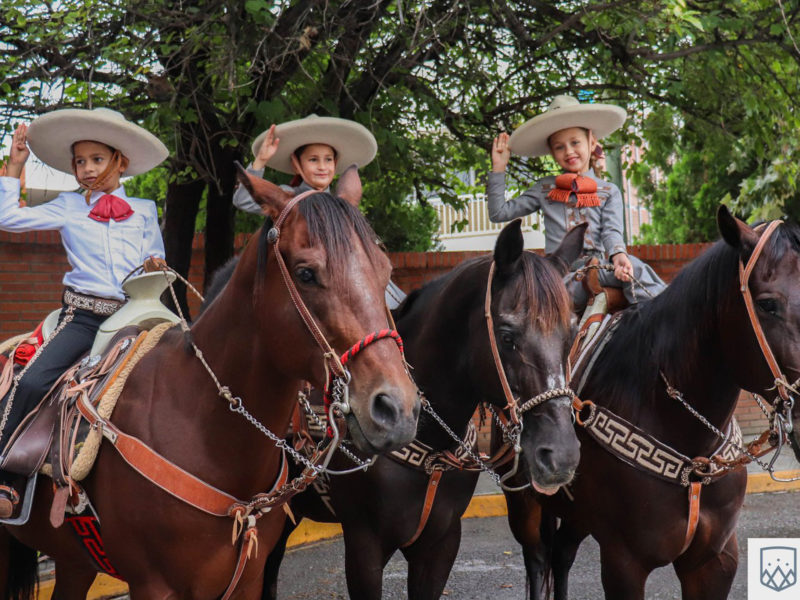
(110, 207)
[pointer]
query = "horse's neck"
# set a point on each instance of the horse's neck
(700, 374)
(454, 396)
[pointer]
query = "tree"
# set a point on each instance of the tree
(433, 79)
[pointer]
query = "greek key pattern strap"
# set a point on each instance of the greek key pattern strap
(422, 456)
(637, 448)
(729, 450)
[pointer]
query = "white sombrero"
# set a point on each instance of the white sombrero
(530, 138)
(354, 143)
(51, 137)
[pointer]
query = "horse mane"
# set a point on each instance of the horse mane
(540, 291)
(329, 220)
(670, 332)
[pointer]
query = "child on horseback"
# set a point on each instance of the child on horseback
(569, 131)
(314, 149)
(105, 232)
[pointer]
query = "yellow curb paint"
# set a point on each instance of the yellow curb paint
(104, 586)
(488, 505)
(311, 531)
(761, 482)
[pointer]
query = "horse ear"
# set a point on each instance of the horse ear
(269, 196)
(569, 249)
(509, 246)
(349, 186)
(735, 232)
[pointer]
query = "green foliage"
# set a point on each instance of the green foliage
(711, 89)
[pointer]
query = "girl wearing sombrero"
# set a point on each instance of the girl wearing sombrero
(105, 232)
(569, 130)
(313, 149)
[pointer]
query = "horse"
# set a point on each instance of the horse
(413, 500)
(310, 281)
(661, 386)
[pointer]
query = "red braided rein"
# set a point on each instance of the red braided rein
(351, 354)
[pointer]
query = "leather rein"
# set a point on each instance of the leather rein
(605, 427)
(203, 496)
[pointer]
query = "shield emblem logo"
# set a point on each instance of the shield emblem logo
(778, 567)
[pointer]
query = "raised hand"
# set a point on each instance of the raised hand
(500, 153)
(19, 152)
(268, 149)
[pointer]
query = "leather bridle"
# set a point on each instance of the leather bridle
(337, 376)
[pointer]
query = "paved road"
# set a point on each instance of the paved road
(489, 564)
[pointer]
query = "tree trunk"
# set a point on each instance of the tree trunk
(180, 214)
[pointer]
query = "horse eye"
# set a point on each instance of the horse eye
(507, 339)
(768, 305)
(305, 275)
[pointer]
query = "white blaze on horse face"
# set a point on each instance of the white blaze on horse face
(555, 381)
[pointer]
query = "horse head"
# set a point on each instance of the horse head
(331, 258)
(531, 312)
(765, 353)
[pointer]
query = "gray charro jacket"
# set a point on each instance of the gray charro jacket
(604, 233)
(244, 201)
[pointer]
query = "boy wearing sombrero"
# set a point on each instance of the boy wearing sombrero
(105, 232)
(314, 149)
(569, 132)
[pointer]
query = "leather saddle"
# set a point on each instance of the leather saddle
(51, 429)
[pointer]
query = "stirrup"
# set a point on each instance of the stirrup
(9, 498)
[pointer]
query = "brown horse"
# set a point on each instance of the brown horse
(447, 343)
(255, 341)
(689, 350)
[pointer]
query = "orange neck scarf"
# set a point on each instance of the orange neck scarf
(584, 188)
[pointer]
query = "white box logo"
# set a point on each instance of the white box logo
(772, 568)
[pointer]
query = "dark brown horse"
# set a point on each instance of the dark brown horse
(255, 341)
(634, 493)
(447, 343)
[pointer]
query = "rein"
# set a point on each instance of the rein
(338, 377)
(205, 497)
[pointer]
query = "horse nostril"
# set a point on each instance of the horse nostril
(384, 410)
(545, 458)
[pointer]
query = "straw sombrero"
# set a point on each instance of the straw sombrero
(530, 138)
(354, 143)
(51, 137)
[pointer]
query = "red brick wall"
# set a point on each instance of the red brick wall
(32, 265)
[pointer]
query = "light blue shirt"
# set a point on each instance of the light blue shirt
(101, 254)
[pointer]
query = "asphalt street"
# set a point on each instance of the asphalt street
(489, 563)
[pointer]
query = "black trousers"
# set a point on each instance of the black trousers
(69, 345)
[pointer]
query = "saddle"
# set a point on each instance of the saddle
(54, 439)
(603, 301)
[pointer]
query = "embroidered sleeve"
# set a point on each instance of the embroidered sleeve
(500, 209)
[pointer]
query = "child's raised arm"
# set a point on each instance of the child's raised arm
(500, 153)
(19, 152)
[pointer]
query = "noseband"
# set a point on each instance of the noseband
(516, 411)
(337, 376)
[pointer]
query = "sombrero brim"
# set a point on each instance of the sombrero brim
(354, 143)
(51, 137)
(530, 138)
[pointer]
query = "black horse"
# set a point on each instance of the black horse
(690, 349)
(444, 329)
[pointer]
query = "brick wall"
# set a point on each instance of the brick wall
(32, 265)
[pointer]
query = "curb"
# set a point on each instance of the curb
(485, 505)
